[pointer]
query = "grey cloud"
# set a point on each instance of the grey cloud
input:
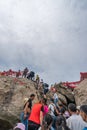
(47, 36)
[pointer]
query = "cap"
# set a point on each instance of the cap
(25, 100)
(20, 125)
(78, 107)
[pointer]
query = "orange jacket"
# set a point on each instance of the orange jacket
(35, 113)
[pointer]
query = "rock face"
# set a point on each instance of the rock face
(81, 93)
(12, 94)
(65, 95)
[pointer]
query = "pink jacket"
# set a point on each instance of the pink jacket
(45, 110)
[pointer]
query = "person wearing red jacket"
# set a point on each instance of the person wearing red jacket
(36, 116)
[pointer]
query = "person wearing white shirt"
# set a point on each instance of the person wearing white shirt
(51, 111)
(55, 97)
(75, 122)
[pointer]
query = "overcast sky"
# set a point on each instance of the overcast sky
(47, 36)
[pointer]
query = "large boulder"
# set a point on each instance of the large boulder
(81, 93)
(62, 99)
(65, 94)
(12, 94)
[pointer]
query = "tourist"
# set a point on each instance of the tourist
(31, 75)
(78, 110)
(55, 97)
(66, 114)
(46, 88)
(37, 79)
(46, 123)
(18, 74)
(74, 122)
(62, 111)
(51, 107)
(26, 112)
(61, 123)
(25, 72)
(60, 106)
(53, 111)
(45, 107)
(36, 116)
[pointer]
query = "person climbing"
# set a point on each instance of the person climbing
(36, 116)
(53, 111)
(61, 123)
(26, 111)
(55, 97)
(45, 87)
(40, 84)
(37, 79)
(25, 72)
(46, 123)
(62, 111)
(31, 75)
(45, 107)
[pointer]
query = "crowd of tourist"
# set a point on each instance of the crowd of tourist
(26, 73)
(48, 114)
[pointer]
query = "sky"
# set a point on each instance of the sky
(47, 36)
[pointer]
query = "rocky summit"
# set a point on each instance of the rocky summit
(81, 93)
(13, 91)
(12, 94)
